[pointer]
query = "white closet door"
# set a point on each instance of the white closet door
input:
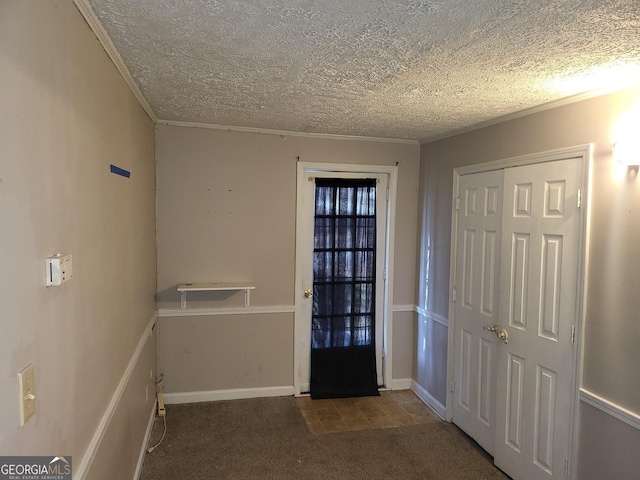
(476, 306)
(538, 309)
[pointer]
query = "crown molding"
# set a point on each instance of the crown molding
(561, 102)
(84, 7)
(284, 133)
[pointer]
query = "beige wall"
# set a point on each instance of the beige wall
(66, 115)
(226, 205)
(226, 212)
(609, 447)
(403, 350)
(612, 332)
(227, 352)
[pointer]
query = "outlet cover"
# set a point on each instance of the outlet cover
(27, 393)
(58, 269)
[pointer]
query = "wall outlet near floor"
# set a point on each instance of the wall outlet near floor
(161, 409)
(27, 393)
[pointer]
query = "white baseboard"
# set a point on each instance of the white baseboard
(232, 394)
(400, 384)
(145, 443)
(94, 445)
(427, 398)
(610, 408)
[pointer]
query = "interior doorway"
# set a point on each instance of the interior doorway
(519, 233)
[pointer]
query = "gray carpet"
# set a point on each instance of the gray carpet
(269, 439)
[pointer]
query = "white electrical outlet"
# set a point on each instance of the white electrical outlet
(27, 393)
(58, 269)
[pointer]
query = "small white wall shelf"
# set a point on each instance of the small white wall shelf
(183, 288)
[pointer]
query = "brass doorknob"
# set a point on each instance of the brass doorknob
(308, 293)
(503, 335)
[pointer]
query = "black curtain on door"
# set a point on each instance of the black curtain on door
(343, 357)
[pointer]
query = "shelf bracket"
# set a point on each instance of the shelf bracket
(183, 300)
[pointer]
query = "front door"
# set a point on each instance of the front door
(313, 311)
(343, 317)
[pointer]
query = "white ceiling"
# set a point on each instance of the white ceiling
(412, 69)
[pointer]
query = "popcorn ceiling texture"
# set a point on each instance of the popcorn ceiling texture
(412, 69)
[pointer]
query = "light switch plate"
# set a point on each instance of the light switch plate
(27, 393)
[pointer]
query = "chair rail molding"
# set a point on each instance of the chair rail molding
(101, 430)
(610, 408)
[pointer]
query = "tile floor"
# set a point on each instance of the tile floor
(391, 409)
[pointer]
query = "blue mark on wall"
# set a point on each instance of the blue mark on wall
(120, 171)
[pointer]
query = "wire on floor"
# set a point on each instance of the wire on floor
(162, 412)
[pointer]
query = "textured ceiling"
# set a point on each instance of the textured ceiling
(413, 69)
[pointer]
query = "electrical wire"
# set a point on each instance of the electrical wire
(151, 449)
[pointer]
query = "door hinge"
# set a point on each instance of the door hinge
(457, 203)
(454, 293)
(387, 194)
(573, 334)
(452, 384)
(579, 198)
(566, 467)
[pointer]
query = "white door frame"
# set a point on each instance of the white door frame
(583, 152)
(300, 319)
